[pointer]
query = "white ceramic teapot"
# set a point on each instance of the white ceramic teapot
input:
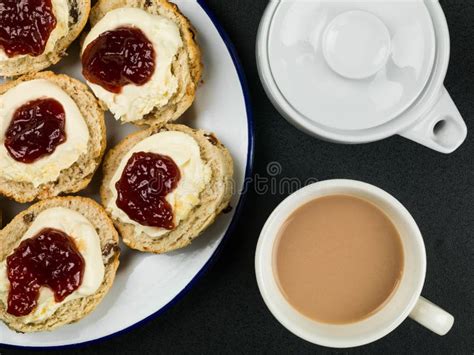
(360, 71)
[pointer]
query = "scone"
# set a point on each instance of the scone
(141, 60)
(52, 136)
(35, 34)
(58, 260)
(164, 186)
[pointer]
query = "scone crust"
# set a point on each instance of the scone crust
(213, 200)
(74, 310)
(78, 176)
(187, 66)
(78, 15)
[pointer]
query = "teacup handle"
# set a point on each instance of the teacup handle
(432, 317)
(443, 129)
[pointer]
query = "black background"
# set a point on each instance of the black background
(224, 313)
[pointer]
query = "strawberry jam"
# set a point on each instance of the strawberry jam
(37, 128)
(49, 259)
(143, 186)
(118, 58)
(25, 26)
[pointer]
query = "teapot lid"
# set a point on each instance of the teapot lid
(348, 65)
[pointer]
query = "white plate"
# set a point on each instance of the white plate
(147, 285)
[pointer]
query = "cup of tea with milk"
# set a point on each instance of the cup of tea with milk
(342, 263)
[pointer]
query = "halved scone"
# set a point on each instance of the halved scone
(35, 34)
(164, 186)
(141, 59)
(52, 136)
(58, 260)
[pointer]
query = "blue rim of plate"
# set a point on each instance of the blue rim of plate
(233, 224)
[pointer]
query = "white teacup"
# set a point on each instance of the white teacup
(405, 302)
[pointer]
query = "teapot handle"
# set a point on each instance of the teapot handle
(442, 129)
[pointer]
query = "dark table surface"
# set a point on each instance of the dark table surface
(224, 313)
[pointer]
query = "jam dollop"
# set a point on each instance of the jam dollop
(143, 186)
(36, 130)
(119, 57)
(48, 259)
(25, 26)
